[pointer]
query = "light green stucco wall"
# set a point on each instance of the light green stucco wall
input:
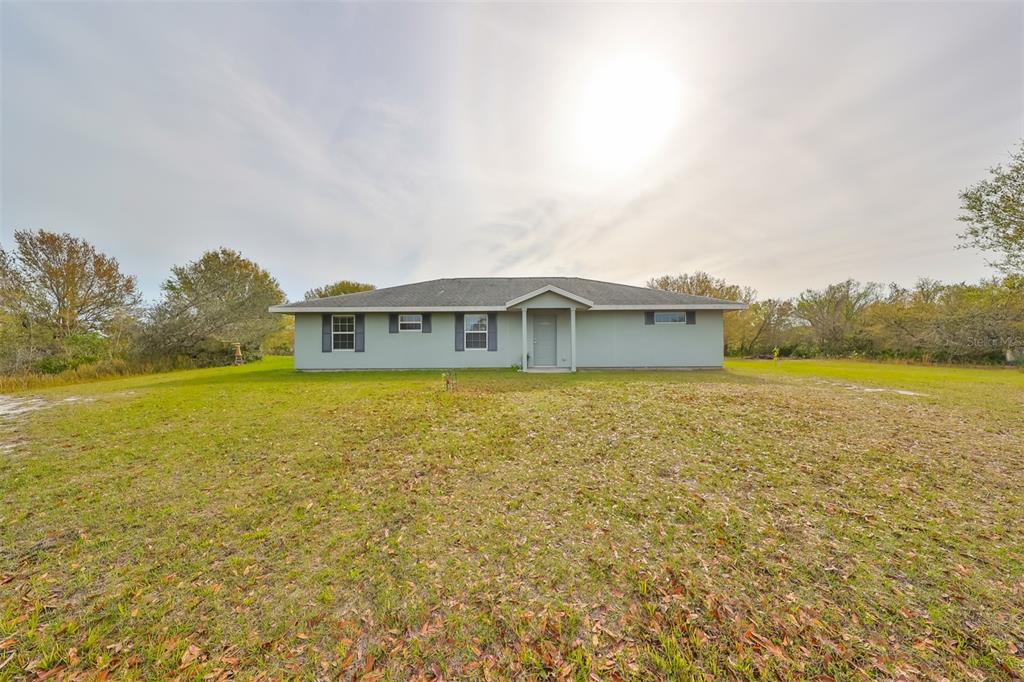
(621, 339)
(603, 339)
(406, 349)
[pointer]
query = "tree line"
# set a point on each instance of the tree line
(65, 305)
(931, 321)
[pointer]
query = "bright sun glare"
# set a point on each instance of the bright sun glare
(628, 109)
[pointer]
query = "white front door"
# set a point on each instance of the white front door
(545, 352)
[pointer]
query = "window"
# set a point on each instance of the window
(343, 332)
(670, 318)
(476, 332)
(410, 323)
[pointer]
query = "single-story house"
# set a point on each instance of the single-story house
(537, 323)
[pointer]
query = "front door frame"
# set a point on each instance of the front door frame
(527, 355)
(553, 316)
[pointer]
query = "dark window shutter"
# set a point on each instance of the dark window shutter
(649, 317)
(360, 333)
(460, 336)
(393, 323)
(492, 331)
(426, 323)
(691, 317)
(326, 345)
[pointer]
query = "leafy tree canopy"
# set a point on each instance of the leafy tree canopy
(993, 211)
(701, 283)
(833, 312)
(219, 299)
(63, 282)
(343, 286)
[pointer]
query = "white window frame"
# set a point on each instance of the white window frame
(418, 322)
(466, 331)
(670, 312)
(335, 334)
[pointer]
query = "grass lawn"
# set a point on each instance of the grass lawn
(775, 520)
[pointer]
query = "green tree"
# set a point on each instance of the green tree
(343, 286)
(764, 326)
(65, 283)
(220, 299)
(61, 301)
(981, 322)
(16, 349)
(993, 211)
(834, 313)
(701, 283)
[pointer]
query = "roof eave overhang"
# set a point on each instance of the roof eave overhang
(286, 309)
(387, 309)
(675, 306)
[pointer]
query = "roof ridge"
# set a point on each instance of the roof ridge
(495, 291)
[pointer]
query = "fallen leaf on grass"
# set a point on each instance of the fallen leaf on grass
(190, 655)
(922, 643)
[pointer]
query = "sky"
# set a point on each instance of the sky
(781, 146)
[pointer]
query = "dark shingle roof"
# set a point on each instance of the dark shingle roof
(492, 292)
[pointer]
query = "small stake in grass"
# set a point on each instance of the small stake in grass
(451, 381)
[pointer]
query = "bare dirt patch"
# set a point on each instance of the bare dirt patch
(873, 389)
(13, 407)
(13, 411)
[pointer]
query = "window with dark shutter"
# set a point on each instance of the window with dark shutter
(476, 331)
(410, 322)
(343, 332)
(677, 317)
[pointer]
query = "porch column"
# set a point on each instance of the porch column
(572, 339)
(524, 338)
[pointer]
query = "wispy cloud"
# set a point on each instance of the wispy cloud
(388, 143)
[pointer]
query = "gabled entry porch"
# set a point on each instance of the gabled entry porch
(549, 329)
